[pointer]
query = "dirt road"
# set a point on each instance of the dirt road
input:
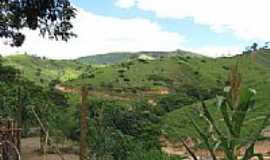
(30, 147)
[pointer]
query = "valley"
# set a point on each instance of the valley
(137, 99)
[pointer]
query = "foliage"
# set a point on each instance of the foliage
(175, 124)
(234, 107)
(117, 130)
(255, 47)
(36, 68)
(174, 101)
(50, 17)
(17, 92)
(124, 129)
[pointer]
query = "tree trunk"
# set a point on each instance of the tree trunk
(84, 124)
(19, 107)
(19, 113)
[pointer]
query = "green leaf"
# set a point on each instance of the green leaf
(204, 138)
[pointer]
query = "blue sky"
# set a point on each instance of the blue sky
(210, 27)
(197, 35)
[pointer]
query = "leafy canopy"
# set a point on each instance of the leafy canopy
(51, 17)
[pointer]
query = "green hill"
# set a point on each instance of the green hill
(42, 70)
(183, 76)
(171, 72)
(140, 98)
(118, 57)
(255, 74)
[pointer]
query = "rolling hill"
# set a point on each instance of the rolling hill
(255, 74)
(170, 83)
(184, 76)
(42, 70)
(118, 57)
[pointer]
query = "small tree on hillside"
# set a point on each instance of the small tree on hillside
(254, 47)
(234, 107)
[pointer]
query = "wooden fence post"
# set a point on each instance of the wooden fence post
(84, 124)
(19, 112)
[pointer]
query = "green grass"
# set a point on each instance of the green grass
(42, 70)
(119, 57)
(166, 72)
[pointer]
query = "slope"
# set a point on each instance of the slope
(42, 70)
(255, 72)
(172, 74)
(119, 57)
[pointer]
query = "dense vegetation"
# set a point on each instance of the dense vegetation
(132, 103)
(42, 70)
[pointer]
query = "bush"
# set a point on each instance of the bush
(157, 77)
(174, 101)
(203, 61)
(196, 72)
(226, 68)
(116, 130)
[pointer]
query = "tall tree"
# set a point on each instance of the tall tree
(51, 17)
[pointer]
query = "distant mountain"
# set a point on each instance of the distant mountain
(109, 58)
(118, 57)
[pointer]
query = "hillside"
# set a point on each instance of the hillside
(138, 101)
(186, 77)
(42, 70)
(118, 57)
(171, 73)
(255, 74)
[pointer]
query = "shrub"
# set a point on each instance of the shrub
(116, 130)
(203, 61)
(158, 77)
(196, 72)
(174, 101)
(226, 68)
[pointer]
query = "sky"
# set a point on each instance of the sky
(210, 27)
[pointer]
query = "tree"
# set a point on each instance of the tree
(266, 45)
(51, 17)
(254, 47)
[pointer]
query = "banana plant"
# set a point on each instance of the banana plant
(234, 106)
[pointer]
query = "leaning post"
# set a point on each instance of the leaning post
(84, 124)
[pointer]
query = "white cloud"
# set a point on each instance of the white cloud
(248, 19)
(101, 34)
(216, 51)
(125, 3)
